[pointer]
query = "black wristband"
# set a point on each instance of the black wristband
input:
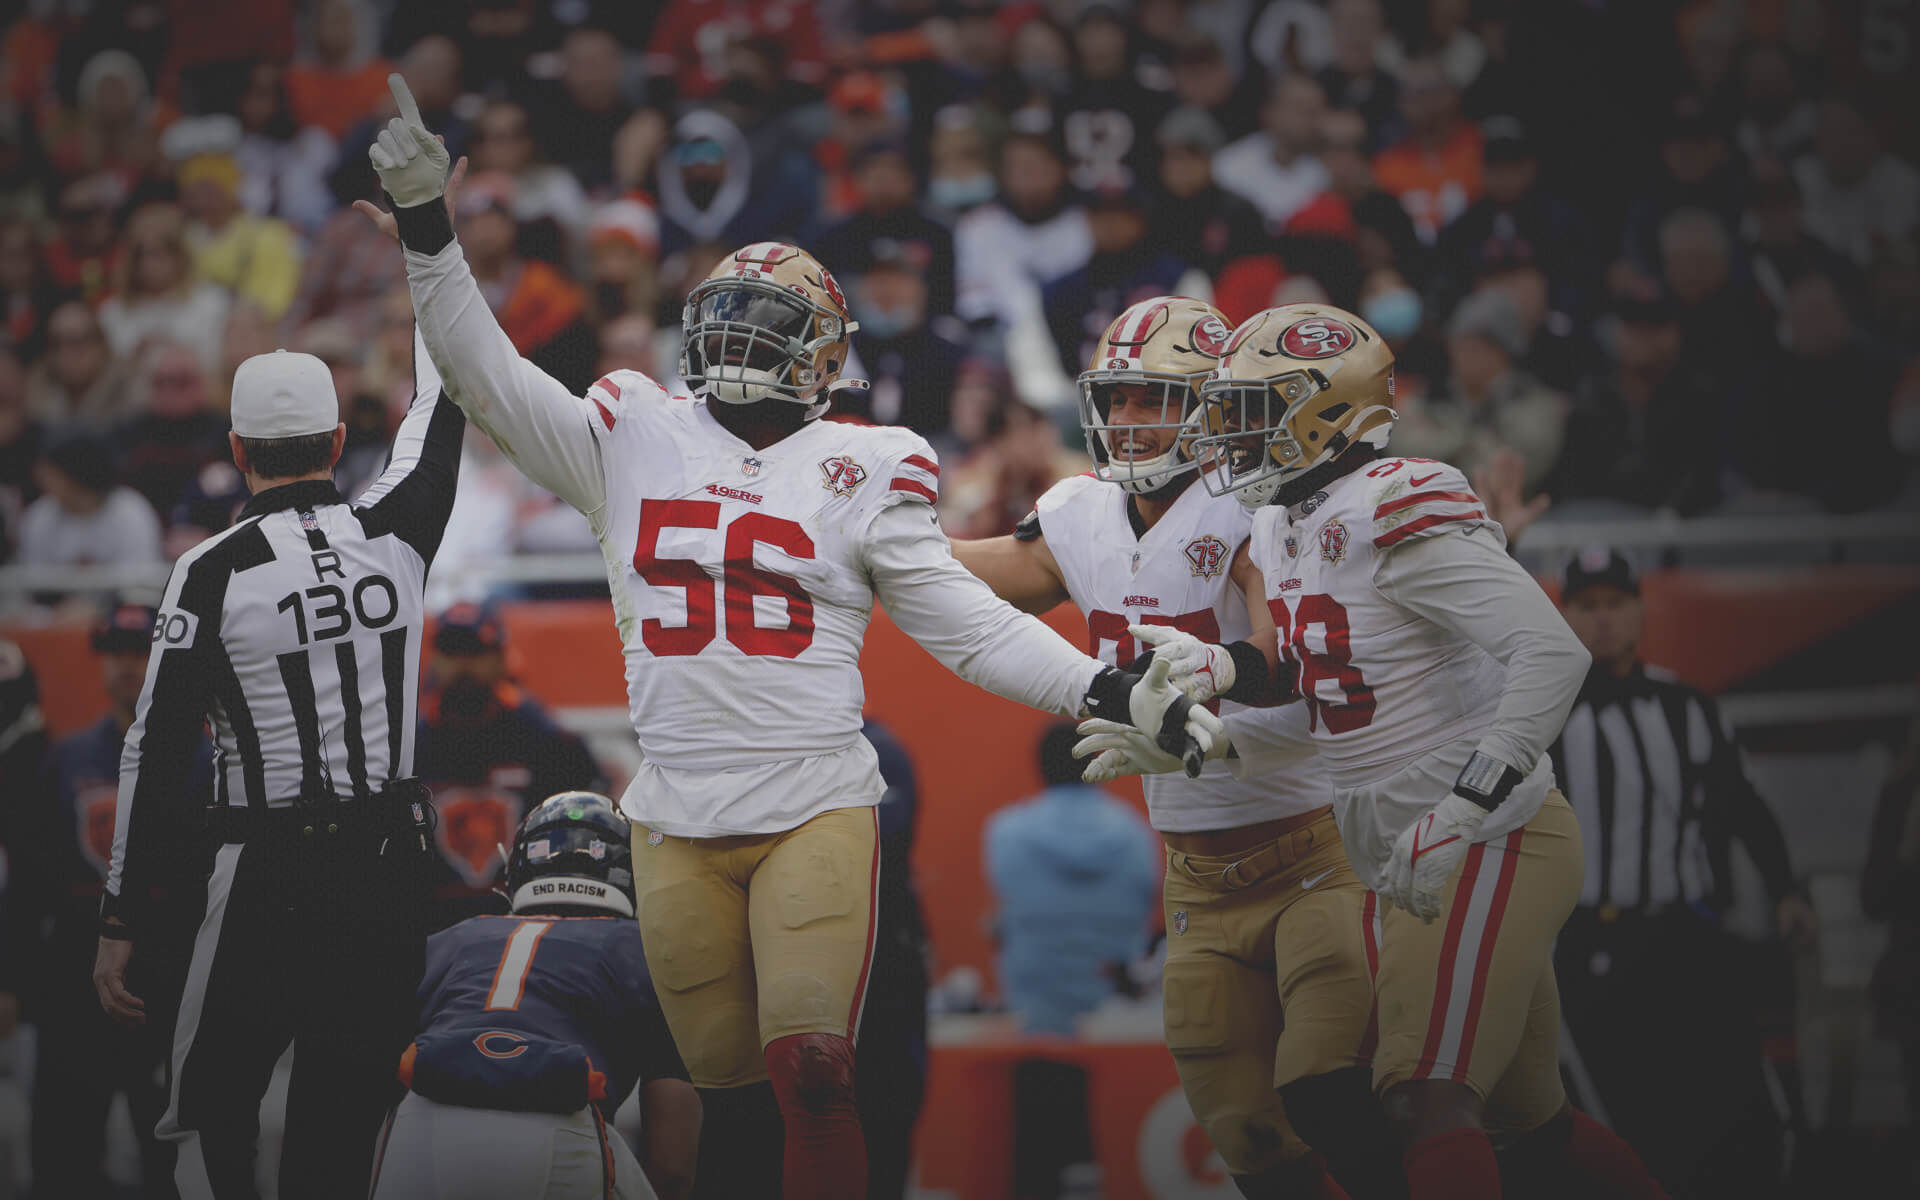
(426, 228)
(1107, 696)
(1252, 683)
(1487, 781)
(115, 933)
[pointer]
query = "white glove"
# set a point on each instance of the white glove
(1153, 699)
(1123, 750)
(411, 163)
(1427, 853)
(1200, 669)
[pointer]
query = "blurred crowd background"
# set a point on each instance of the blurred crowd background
(1651, 256)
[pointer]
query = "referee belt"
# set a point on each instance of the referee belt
(404, 808)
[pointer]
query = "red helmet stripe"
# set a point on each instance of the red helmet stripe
(1140, 330)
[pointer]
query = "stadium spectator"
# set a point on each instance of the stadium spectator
(26, 297)
(541, 310)
(1559, 349)
(84, 514)
(1354, 80)
(1662, 792)
(1858, 196)
(1193, 218)
(1489, 402)
(681, 52)
(629, 343)
(961, 176)
(176, 431)
(208, 504)
(1126, 266)
(1277, 169)
(1076, 879)
(1637, 430)
(1107, 121)
(283, 164)
(576, 120)
(113, 129)
(154, 291)
(1039, 65)
(1203, 78)
(1820, 348)
(908, 356)
(77, 382)
(1721, 320)
(85, 1059)
(1516, 210)
(887, 219)
(339, 76)
(623, 259)
(1697, 171)
(491, 752)
(81, 255)
(431, 67)
(1776, 119)
(712, 190)
(1383, 233)
(20, 437)
(363, 410)
(867, 110)
(255, 258)
(349, 267)
(548, 202)
(1778, 249)
(1020, 455)
(1005, 252)
(1436, 169)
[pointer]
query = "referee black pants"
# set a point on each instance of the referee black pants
(316, 940)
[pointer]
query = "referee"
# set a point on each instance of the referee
(1662, 1002)
(297, 635)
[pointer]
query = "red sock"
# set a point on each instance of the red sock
(1455, 1165)
(826, 1157)
(1329, 1189)
(1600, 1155)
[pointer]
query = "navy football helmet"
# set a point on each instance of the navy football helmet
(574, 851)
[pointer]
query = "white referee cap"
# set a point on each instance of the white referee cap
(284, 394)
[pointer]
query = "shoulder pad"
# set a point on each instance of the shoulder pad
(1414, 497)
(909, 469)
(1065, 491)
(1028, 530)
(612, 393)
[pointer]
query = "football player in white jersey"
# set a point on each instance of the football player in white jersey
(746, 542)
(1435, 673)
(1264, 913)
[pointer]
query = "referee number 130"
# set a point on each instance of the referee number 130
(328, 610)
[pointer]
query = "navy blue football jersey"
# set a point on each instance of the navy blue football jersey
(538, 1014)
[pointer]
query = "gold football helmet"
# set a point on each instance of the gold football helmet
(768, 322)
(1169, 344)
(1297, 386)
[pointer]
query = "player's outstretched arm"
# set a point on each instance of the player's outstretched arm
(1020, 569)
(545, 429)
(1246, 671)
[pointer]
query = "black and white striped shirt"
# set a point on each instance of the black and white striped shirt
(1661, 793)
(297, 635)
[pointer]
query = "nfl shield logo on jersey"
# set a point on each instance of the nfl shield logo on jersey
(750, 465)
(655, 838)
(1207, 556)
(1179, 921)
(842, 475)
(309, 522)
(1333, 541)
(1293, 546)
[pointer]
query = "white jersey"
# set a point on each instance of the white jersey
(1178, 574)
(742, 579)
(1418, 640)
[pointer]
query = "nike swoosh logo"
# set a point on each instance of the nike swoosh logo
(1307, 884)
(1416, 481)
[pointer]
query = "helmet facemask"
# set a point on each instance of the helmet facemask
(1249, 444)
(747, 340)
(1110, 442)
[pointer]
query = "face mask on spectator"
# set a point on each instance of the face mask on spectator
(1047, 77)
(963, 192)
(1395, 313)
(884, 323)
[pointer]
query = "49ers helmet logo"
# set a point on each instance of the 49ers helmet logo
(1318, 337)
(1210, 336)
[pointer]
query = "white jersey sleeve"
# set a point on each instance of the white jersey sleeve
(948, 610)
(546, 430)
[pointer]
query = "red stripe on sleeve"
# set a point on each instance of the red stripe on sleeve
(916, 487)
(605, 415)
(1394, 506)
(1426, 522)
(923, 462)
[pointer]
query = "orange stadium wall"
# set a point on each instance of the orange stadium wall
(975, 752)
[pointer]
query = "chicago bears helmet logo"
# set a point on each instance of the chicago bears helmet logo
(842, 475)
(1333, 541)
(1210, 336)
(1318, 337)
(474, 823)
(1207, 556)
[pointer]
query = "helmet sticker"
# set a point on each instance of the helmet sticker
(1318, 337)
(1210, 336)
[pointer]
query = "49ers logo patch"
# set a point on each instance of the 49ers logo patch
(1318, 337)
(1333, 541)
(1210, 336)
(1207, 556)
(843, 475)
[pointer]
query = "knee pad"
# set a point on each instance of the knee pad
(812, 1072)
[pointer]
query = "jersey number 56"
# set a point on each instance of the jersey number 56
(739, 584)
